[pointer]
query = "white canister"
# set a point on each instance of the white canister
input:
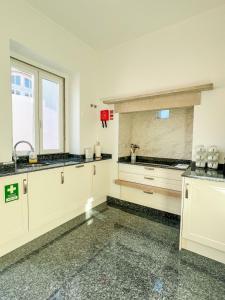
(200, 163)
(200, 148)
(88, 153)
(213, 149)
(213, 165)
(213, 157)
(98, 153)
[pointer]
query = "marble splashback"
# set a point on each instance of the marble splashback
(170, 138)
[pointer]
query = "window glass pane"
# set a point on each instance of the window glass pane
(27, 83)
(23, 111)
(163, 114)
(50, 115)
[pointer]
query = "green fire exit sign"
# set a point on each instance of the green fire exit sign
(11, 192)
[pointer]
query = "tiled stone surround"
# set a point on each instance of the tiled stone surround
(158, 138)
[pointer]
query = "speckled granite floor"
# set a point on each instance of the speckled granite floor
(114, 255)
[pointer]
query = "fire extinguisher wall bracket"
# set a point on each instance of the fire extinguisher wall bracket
(111, 114)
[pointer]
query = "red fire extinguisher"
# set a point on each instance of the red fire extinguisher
(106, 115)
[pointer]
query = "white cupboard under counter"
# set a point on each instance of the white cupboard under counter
(154, 187)
(203, 218)
(47, 198)
(13, 212)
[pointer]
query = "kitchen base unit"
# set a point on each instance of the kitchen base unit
(13, 212)
(154, 187)
(203, 218)
(34, 203)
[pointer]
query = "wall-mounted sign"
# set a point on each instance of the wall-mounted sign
(11, 192)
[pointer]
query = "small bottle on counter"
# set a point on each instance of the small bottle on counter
(98, 154)
(33, 158)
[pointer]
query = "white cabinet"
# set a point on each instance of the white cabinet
(77, 188)
(151, 171)
(13, 208)
(101, 181)
(203, 214)
(151, 199)
(155, 177)
(46, 198)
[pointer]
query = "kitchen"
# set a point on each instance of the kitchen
(128, 224)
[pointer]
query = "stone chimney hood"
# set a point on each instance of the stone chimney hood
(174, 98)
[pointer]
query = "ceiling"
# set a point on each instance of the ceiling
(106, 23)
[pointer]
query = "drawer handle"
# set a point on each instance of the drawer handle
(149, 178)
(80, 166)
(186, 191)
(24, 186)
(150, 193)
(62, 178)
(151, 169)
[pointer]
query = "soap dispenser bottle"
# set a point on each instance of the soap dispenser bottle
(98, 154)
(32, 158)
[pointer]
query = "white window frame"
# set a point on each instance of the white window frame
(40, 74)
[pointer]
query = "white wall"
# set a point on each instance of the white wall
(41, 41)
(183, 54)
(188, 53)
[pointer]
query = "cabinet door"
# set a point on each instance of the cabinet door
(204, 213)
(13, 208)
(153, 200)
(101, 180)
(77, 188)
(46, 198)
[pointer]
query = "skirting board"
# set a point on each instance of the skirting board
(145, 212)
(203, 250)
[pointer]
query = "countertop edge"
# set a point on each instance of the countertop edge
(151, 165)
(51, 165)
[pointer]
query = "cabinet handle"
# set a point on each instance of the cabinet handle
(149, 178)
(150, 192)
(80, 166)
(94, 170)
(25, 187)
(62, 178)
(186, 191)
(151, 169)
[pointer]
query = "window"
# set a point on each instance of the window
(27, 83)
(163, 114)
(16, 79)
(38, 109)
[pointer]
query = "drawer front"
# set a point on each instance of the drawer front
(155, 200)
(152, 171)
(151, 180)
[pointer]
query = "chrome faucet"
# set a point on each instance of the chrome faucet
(15, 157)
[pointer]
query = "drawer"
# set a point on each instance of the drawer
(155, 200)
(151, 180)
(152, 171)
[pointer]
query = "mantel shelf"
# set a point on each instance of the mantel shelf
(167, 99)
(184, 90)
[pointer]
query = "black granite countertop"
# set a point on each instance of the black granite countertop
(205, 174)
(167, 163)
(46, 162)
